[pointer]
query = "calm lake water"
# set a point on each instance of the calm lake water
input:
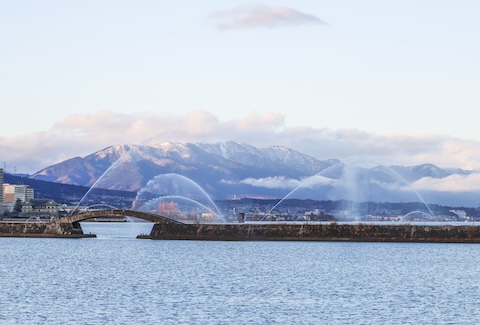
(116, 279)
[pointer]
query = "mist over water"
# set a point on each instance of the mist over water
(349, 185)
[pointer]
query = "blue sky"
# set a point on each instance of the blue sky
(394, 82)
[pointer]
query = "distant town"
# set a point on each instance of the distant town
(22, 202)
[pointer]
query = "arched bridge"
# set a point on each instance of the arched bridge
(155, 218)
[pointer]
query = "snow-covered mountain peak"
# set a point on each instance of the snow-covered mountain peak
(227, 168)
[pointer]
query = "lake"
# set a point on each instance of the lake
(117, 279)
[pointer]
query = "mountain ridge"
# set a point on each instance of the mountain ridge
(228, 169)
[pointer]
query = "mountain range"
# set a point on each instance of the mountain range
(227, 170)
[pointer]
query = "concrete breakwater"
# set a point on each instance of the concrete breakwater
(166, 228)
(317, 232)
(44, 229)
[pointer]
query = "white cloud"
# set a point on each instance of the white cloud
(83, 134)
(272, 182)
(453, 183)
(261, 15)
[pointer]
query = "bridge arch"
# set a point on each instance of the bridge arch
(155, 218)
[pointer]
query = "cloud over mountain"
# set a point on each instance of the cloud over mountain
(261, 16)
(230, 169)
(452, 183)
(80, 134)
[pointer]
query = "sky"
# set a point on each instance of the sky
(390, 82)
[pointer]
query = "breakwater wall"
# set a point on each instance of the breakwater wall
(44, 229)
(317, 232)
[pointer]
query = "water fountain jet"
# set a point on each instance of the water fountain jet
(157, 187)
(123, 158)
(147, 206)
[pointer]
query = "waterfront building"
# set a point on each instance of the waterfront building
(12, 193)
(46, 208)
(207, 216)
(23, 192)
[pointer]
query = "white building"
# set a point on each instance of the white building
(11, 193)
